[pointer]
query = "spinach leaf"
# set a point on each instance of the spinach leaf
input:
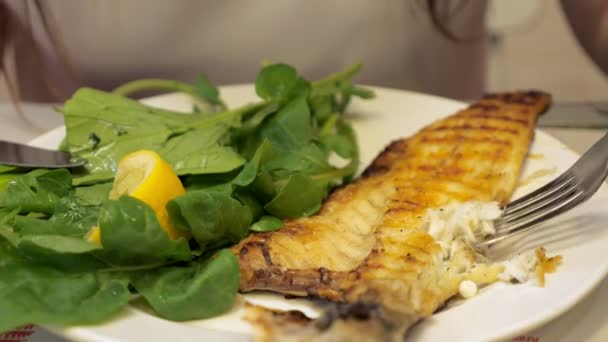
(219, 182)
(267, 224)
(215, 218)
(38, 242)
(7, 168)
(5, 178)
(93, 194)
(8, 252)
(26, 225)
(200, 290)
(131, 235)
(69, 219)
(103, 127)
(38, 190)
(72, 218)
(205, 154)
(32, 294)
(56, 244)
(74, 256)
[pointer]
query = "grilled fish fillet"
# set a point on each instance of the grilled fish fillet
(367, 252)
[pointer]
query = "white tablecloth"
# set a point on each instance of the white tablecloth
(587, 321)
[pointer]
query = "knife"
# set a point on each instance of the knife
(576, 115)
(15, 154)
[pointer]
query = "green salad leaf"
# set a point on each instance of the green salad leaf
(7, 168)
(93, 194)
(267, 224)
(198, 290)
(244, 170)
(131, 235)
(215, 218)
(38, 190)
(206, 90)
(98, 130)
(279, 83)
(35, 294)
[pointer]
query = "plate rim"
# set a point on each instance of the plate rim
(542, 318)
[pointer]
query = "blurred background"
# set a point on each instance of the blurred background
(531, 45)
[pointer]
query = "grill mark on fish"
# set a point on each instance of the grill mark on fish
(484, 106)
(471, 127)
(507, 119)
(460, 139)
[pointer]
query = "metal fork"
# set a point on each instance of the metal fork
(574, 186)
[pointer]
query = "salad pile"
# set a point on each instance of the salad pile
(163, 194)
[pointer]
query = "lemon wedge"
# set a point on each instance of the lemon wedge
(146, 176)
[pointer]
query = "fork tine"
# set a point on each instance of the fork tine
(539, 193)
(574, 186)
(576, 196)
(539, 201)
(548, 208)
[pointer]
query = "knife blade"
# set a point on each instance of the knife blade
(15, 154)
(576, 115)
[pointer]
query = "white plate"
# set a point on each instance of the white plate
(498, 312)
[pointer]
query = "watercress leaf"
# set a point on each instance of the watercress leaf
(335, 83)
(215, 218)
(276, 81)
(252, 203)
(340, 144)
(297, 197)
(321, 107)
(206, 90)
(131, 235)
(361, 92)
(251, 124)
(290, 127)
(31, 294)
(200, 290)
(267, 224)
(38, 190)
(307, 159)
(251, 169)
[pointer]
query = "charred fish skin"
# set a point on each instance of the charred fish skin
(366, 244)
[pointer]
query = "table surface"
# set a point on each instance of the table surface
(587, 321)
